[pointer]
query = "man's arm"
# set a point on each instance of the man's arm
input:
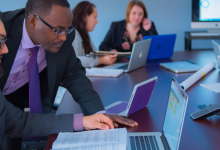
(80, 86)
(23, 124)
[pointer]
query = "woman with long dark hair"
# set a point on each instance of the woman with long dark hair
(84, 21)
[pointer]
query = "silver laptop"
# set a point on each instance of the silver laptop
(216, 47)
(138, 57)
(180, 67)
(169, 138)
(139, 99)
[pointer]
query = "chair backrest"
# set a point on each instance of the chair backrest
(68, 105)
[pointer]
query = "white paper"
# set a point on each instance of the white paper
(101, 72)
(196, 76)
(98, 147)
(215, 87)
(91, 138)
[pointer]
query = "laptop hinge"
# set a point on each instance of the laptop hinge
(165, 143)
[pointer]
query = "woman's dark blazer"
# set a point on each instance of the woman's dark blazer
(114, 37)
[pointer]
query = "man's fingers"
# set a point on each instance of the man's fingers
(115, 124)
(107, 121)
(124, 121)
(102, 126)
(131, 122)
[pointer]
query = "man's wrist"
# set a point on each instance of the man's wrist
(78, 122)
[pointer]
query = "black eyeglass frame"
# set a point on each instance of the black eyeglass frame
(2, 43)
(68, 31)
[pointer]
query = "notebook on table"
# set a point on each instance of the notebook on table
(103, 53)
(137, 59)
(162, 46)
(169, 138)
(139, 99)
(100, 72)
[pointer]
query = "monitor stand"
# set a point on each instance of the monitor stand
(213, 31)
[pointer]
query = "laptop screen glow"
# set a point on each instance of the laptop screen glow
(174, 117)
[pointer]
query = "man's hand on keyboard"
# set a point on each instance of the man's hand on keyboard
(118, 119)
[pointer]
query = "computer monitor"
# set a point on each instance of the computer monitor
(206, 15)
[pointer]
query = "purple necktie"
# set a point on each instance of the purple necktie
(34, 86)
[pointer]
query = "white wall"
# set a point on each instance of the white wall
(169, 16)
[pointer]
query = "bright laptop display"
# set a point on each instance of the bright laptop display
(138, 57)
(216, 47)
(174, 118)
(169, 138)
(162, 46)
(139, 99)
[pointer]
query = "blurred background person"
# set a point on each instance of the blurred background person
(84, 20)
(123, 34)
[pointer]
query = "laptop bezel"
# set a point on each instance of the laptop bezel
(216, 53)
(163, 137)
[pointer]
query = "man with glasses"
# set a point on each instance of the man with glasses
(15, 123)
(41, 56)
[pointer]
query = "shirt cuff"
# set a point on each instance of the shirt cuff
(78, 122)
(103, 111)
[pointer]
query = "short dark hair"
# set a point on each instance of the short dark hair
(0, 15)
(43, 7)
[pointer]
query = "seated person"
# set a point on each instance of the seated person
(123, 34)
(16, 123)
(84, 21)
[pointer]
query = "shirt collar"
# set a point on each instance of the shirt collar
(26, 42)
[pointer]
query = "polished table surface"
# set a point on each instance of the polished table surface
(196, 135)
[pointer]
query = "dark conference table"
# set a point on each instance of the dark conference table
(196, 135)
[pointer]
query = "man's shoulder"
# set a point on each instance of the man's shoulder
(10, 16)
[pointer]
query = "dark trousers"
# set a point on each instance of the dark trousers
(18, 98)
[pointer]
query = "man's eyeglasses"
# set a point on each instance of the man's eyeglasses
(2, 43)
(57, 31)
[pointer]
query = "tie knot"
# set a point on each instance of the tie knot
(34, 50)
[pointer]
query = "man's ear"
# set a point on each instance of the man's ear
(32, 20)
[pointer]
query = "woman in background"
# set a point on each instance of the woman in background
(84, 21)
(123, 34)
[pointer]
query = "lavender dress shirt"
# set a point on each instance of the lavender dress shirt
(19, 75)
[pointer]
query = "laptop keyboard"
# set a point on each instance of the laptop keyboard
(143, 143)
(117, 108)
(124, 67)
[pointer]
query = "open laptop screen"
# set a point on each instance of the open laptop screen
(175, 114)
(216, 47)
